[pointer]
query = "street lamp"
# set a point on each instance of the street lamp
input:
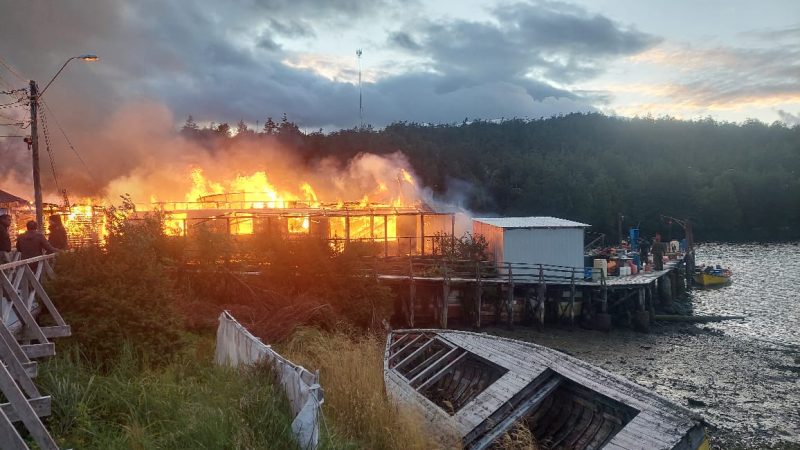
(34, 103)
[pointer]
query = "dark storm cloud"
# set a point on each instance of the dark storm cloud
(403, 40)
(224, 64)
(291, 28)
(550, 42)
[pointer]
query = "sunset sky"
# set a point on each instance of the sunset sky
(436, 62)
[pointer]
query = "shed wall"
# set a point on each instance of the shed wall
(494, 238)
(556, 246)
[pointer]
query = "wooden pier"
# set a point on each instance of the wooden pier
(437, 290)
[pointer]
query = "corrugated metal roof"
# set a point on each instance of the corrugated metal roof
(531, 222)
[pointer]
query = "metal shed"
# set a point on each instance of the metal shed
(533, 240)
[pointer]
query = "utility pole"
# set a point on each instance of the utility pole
(37, 182)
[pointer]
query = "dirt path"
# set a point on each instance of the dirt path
(748, 389)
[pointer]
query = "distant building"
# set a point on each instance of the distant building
(533, 240)
(10, 202)
(18, 208)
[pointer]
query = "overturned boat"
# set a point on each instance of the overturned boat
(478, 387)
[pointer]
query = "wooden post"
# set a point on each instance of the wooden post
(422, 233)
(604, 291)
(347, 228)
(572, 299)
(445, 294)
(453, 233)
(541, 291)
(478, 294)
(386, 236)
(412, 292)
(510, 306)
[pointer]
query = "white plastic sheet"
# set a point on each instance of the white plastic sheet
(236, 346)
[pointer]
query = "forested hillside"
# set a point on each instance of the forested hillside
(734, 181)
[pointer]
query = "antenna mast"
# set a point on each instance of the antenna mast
(360, 103)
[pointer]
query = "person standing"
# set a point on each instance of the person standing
(58, 234)
(658, 253)
(5, 239)
(32, 243)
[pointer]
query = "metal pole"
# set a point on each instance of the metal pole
(37, 182)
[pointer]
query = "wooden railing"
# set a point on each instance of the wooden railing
(434, 267)
(22, 340)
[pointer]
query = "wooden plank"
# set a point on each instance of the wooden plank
(22, 311)
(538, 396)
(9, 436)
(413, 372)
(35, 351)
(438, 375)
(45, 299)
(397, 341)
(24, 411)
(414, 354)
(8, 339)
(57, 331)
(18, 370)
(40, 405)
(31, 368)
(434, 366)
(405, 347)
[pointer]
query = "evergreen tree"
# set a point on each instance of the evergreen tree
(190, 124)
(224, 130)
(241, 128)
(270, 127)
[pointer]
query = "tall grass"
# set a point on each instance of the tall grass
(188, 404)
(351, 372)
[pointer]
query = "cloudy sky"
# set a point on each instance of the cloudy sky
(437, 61)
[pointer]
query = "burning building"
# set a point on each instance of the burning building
(389, 216)
(397, 230)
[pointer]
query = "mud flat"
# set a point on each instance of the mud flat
(749, 390)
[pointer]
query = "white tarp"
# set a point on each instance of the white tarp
(236, 346)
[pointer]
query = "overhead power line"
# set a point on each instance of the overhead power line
(11, 69)
(49, 149)
(86, 168)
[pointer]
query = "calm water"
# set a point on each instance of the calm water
(765, 289)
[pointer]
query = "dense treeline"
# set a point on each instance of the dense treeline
(734, 181)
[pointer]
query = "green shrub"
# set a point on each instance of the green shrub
(120, 293)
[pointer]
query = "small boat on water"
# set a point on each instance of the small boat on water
(476, 388)
(712, 276)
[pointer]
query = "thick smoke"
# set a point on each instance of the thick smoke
(139, 152)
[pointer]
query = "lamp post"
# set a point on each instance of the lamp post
(34, 98)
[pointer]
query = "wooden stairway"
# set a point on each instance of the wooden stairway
(22, 341)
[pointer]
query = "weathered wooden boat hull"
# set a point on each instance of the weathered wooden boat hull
(476, 387)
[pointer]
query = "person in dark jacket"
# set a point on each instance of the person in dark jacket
(658, 253)
(32, 243)
(58, 234)
(5, 238)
